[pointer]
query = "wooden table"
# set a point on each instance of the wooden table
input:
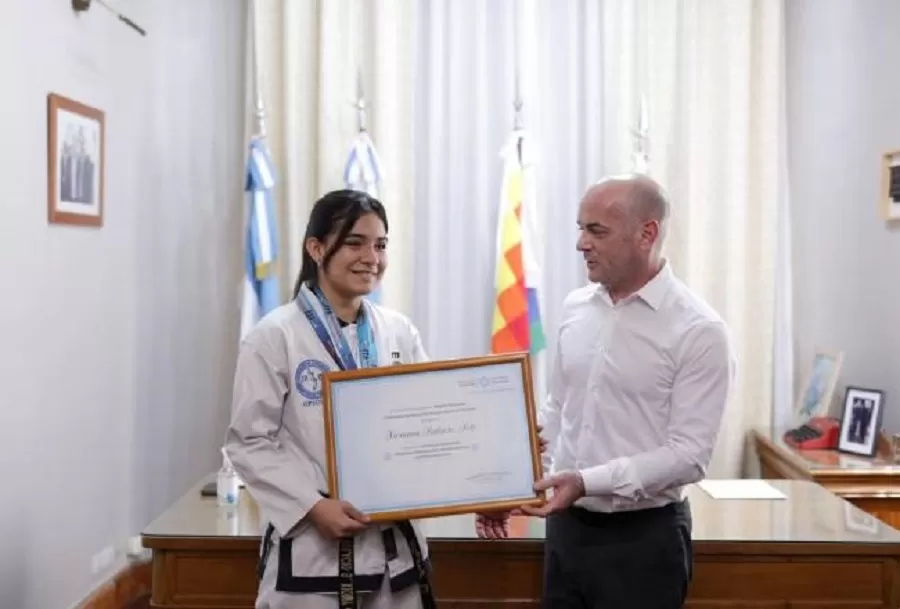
(871, 484)
(811, 549)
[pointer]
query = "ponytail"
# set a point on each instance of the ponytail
(309, 272)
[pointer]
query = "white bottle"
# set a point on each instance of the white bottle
(227, 487)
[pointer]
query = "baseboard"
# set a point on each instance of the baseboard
(127, 589)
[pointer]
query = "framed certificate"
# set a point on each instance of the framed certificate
(433, 439)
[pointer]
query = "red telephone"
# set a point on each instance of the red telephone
(817, 433)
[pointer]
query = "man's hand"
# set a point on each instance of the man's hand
(495, 525)
(492, 525)
(335, 519)
(567, 488)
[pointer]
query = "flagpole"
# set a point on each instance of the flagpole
(518, 326)
(640, 156)
(259, 108)
(260, 282)
(518, 123)
(360, 104)
(362, 171)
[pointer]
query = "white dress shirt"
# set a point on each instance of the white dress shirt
(637, 393)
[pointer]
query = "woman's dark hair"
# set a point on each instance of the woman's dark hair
(336, 212)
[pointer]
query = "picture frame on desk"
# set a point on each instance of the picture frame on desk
(818, 388)
(861, 421)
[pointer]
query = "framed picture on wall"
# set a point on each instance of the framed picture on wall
(76, 160)
(818, 388)
(861, 421)
(890, 186)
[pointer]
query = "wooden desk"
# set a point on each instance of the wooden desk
(810, 550)
(871, 484)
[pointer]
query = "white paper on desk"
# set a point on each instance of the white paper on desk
(740, 489)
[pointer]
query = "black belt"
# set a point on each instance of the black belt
(346, 583)
(347, 594)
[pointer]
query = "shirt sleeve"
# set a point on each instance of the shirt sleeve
(268, 458)
(551, 410)
(699, 394)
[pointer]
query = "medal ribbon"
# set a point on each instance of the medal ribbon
(342, 354)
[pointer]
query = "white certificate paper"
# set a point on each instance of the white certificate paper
(740, 489)
(434, 439)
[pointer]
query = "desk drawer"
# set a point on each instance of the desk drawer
(199, 579)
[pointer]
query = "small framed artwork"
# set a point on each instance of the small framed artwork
(818, 390)
(76, 160)
(861, 422)
(890, 186)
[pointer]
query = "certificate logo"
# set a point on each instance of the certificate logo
(486, 384)
(489, 477)
(308, 379)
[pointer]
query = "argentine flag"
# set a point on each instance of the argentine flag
(363, 172)
(261, 291)
(363, 169)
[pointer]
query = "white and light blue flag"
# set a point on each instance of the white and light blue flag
(261, 289)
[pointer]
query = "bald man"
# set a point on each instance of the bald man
(641, 374)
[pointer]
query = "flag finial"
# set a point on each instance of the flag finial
(518, 122)
(360, 103)
(640, 156)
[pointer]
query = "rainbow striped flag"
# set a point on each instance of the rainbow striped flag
(517, 316)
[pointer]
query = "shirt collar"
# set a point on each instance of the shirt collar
(653, 292)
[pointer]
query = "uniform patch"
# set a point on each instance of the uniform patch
(308, 379)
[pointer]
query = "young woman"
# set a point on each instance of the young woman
(314, 546)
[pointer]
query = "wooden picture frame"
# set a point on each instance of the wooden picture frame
(420, 440)
(76, 162)
(890, 187)
(819, 384)
(861, 421)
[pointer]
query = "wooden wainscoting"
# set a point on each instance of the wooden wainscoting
(127, 589)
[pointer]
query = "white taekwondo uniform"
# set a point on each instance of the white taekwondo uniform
(276, 444)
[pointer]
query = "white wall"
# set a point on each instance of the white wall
(843, 114)
(116, 345)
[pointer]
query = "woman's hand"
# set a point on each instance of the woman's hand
(335, 519)
(493, 525)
